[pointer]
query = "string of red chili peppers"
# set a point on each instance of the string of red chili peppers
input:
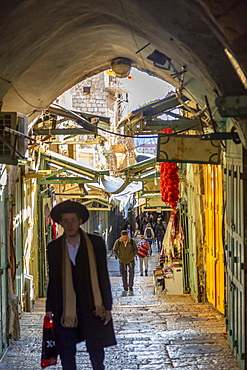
(169, 180)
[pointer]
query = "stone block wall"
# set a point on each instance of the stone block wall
(90, 95)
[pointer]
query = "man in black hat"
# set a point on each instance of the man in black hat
(79, 293)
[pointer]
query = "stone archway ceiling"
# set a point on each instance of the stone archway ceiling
(47, 47)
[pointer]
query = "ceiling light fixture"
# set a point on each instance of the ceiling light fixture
(121, 67)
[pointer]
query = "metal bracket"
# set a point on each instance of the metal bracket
(233, 135)
(216, 136)
(232, 106)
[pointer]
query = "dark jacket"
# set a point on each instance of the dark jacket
(160, 230)
(96, 334)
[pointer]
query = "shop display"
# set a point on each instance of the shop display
(168, 277)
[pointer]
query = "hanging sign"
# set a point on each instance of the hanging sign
(187, 149)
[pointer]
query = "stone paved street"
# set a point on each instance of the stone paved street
(153, 332)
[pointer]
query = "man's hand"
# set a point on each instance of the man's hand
(107, 317)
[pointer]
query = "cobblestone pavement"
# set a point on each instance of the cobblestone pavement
(153, 332)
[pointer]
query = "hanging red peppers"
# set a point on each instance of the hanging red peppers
(169, 180)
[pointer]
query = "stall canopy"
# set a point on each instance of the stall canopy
(125, 199)
(68, 170)
(145, 120)
(140, 169)
(89, 123)
(60, 169)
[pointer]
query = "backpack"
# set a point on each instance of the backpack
(148, 233)
(131, 242)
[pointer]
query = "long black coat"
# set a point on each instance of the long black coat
(97, 334)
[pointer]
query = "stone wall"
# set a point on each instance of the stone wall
(90, 95)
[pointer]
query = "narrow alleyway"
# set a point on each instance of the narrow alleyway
(153, 332)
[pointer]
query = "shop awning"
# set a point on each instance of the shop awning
(144, 120)
(96, 205)
(88, 121)
(84, 123)
(134, 173)
(73, 114)
(98, 198)
(140, 169)
(68, 170)
(92, 195)
(125, 198)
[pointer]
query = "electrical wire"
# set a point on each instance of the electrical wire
(102, 129)
(88, 122)
(133, 36)
(123, 135)
(91, 124)
(17, 92)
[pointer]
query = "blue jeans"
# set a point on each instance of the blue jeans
(66, 339)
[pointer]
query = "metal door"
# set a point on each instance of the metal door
(219, 246)
(235, 253)
(192, 217)
(215, 287)
(186, 264)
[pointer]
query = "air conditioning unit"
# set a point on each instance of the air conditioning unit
(13, 146)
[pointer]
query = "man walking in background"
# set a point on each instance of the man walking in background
(159, 233)
(125, 250)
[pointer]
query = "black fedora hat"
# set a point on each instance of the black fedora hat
(69, 207)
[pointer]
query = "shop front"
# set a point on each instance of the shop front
(169, 274)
